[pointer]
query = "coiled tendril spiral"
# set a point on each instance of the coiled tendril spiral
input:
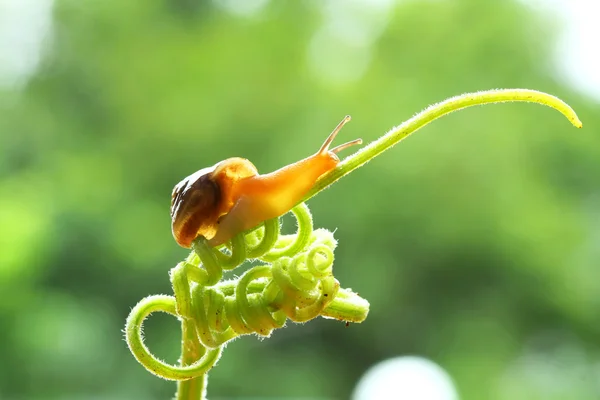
(293, 281)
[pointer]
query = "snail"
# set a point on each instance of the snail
(232, 197)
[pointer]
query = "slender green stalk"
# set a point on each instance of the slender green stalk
(432, 113)
(191, 352)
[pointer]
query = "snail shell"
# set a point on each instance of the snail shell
(201, 199)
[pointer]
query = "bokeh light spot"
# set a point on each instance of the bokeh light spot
(406, 378)
(24, 26)
(242, 8)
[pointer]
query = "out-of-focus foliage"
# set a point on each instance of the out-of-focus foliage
(476, 241)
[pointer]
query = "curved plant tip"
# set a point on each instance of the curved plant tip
(433, 112)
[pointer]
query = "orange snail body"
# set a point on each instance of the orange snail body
(231, 196)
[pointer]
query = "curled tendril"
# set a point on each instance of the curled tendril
(293, 281)
(134, 338)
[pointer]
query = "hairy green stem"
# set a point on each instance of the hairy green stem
(432, 113)
(135, 341)
(191, 352)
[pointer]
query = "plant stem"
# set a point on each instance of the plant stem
(431, 113)
(191, 351)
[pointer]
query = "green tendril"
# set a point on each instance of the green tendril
(295, 282)
(289, 245)
(133, 333)
(294, 279)
(431, 113)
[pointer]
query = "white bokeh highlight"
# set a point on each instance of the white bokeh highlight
(25, 26)
(577, 52)
(405, 378)
(341, 49)
(242, 8)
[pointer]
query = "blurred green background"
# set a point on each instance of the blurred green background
(476, 241)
